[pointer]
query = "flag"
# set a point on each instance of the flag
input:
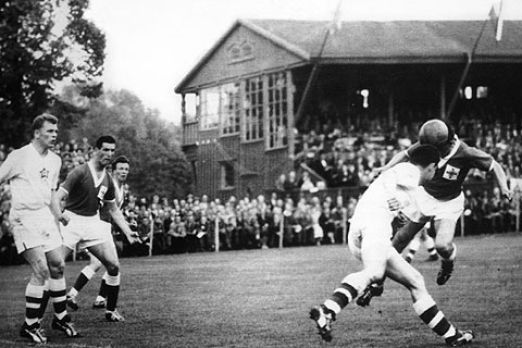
(498, 20)
(336, 23)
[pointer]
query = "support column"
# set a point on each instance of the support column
(391, 107)
(290, 90)
(266, 110)
(443, 97)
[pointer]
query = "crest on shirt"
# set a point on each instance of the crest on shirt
(102, 191)
(44, 173)
(451, 173)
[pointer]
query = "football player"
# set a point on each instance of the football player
(369, 240)
(85, 188)
(443, 194)
(120, 171)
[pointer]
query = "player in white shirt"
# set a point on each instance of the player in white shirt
(369, 240)
(32, 172)
(120, 171)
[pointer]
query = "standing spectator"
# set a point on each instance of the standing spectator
(315, 213)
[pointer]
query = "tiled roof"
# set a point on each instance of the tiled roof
(398, 39)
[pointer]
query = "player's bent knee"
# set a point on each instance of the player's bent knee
(56, 268)
(113, 268)
(417, 281)
(444, 250)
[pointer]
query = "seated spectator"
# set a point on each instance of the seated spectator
(307, 184)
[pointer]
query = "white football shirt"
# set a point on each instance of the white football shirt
(400, 182)
(31, 177)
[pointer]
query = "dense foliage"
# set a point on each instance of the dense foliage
(42, 43)
(158, 165)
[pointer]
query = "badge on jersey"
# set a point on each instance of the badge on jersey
(451, 173)
(44, 173)
(101, 192)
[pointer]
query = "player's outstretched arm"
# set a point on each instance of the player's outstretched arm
(399, 157)
(500, 176)
(119, 219)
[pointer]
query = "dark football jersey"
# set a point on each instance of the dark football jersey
(453, 169)
(87, 194)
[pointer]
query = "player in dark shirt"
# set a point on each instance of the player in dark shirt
(442, 197)
(120, 170)
(85, 189)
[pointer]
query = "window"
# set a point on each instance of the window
(277, 110)
(365, 94)
(240, 51)
(227, 175)
(234, 52)
(247, 50)
(482, 92)
(191, 101)
(209, 117)
(230, 108)
(253, 105)
(468, 92)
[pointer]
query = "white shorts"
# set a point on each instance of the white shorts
(35, 228)
(85, 231)
(432, 207)
(372, 230)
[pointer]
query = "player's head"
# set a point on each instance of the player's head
(426, 158)
(45, 129)
(437, 133)
(104, 150)
(120, 168)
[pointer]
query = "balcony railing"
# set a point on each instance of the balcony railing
(190, 133)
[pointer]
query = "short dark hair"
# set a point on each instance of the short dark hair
(424, 155)
(120, 159)
(39, 121)
(104, 139)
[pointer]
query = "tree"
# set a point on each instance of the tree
(158, 166)
(43, 42)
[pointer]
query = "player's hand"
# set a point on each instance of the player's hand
(402, 218)
(64, 219)
(133, 237)
(394, 204)
(377, 170)
(507, 194)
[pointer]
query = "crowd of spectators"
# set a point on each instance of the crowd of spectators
(311, 201)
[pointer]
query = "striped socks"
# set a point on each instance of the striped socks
(427, 310)
(57, 291)
(33, 301)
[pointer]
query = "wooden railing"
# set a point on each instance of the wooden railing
(190, 133)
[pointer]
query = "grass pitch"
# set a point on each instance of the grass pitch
(261, 298)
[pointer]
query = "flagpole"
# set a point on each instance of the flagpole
(464, 75)
(315, 68)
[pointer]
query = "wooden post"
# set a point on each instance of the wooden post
(266, 112)
(216, 234)
(462, 225)
(516, 196)
(281, 230)
(151, 236)
(345, 226)
(442, 90)
(290, 123)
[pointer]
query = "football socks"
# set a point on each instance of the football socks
(57, 291)
(427, 310)
(33, 301)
